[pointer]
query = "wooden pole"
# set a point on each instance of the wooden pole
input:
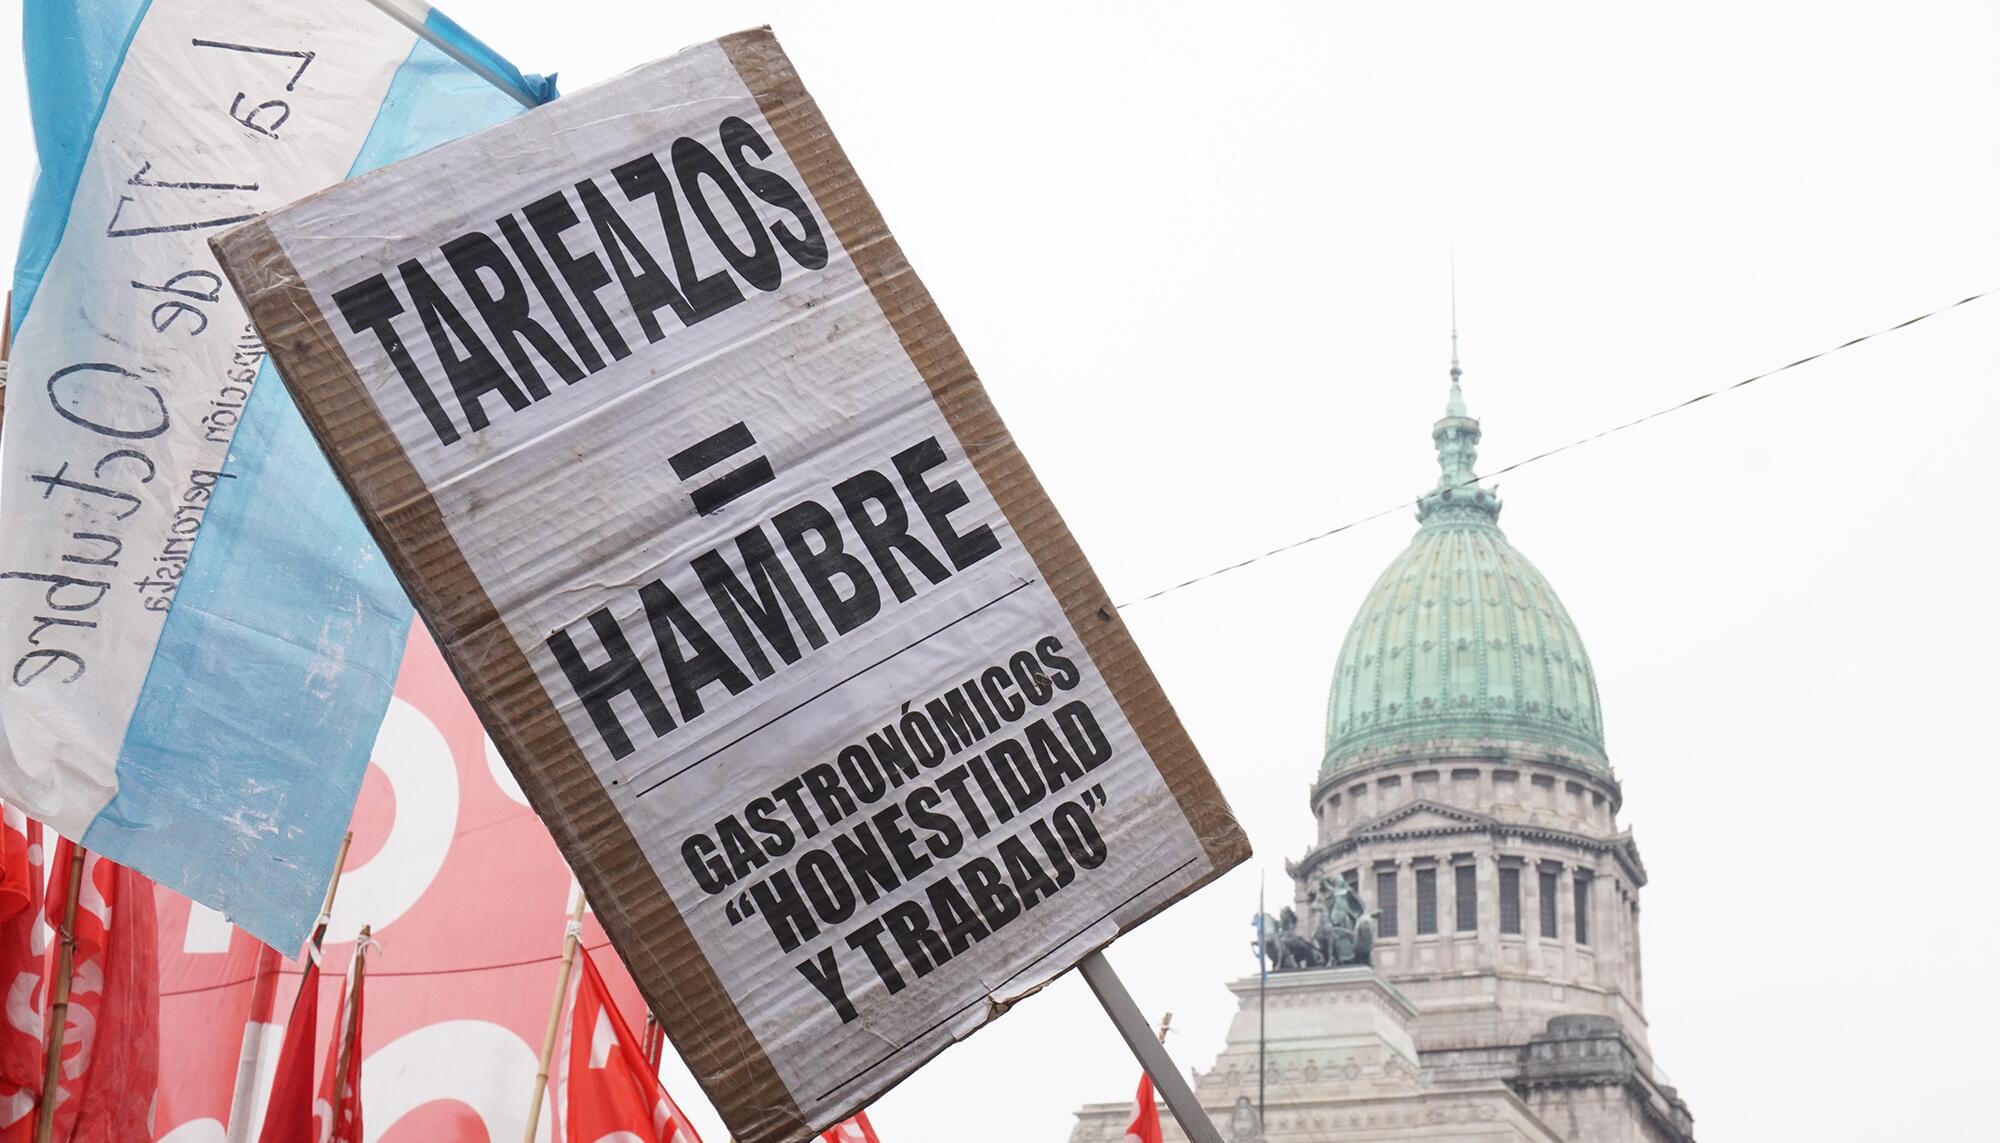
(352, 1031)
(241, 1116)
(1139, 1036)
(6, 352)
(654, 1042)
(45, 1109)
(332, 889)
(400, 11)
(572, 934)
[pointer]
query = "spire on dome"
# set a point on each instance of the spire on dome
(1458, 495)
(1455, 407)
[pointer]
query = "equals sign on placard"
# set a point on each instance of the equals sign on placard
(709, 452)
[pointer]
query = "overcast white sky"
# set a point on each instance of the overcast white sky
(1199, 255)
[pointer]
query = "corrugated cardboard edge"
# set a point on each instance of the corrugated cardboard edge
(796, 119)
(648, 931)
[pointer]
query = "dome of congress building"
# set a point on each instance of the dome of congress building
(1461, 639)
(1458, 959)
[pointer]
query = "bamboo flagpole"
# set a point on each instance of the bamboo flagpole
(412, 16)
(572, 936)
(318, 937)
(45, 1104)
(242, 1119)
(350, 1033)
(653, 1043)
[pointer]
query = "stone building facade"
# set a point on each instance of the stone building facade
(1465, 791)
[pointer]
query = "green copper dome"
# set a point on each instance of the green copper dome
(1461, 641)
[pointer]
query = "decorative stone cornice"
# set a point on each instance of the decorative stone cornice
(1459, 822)
(1425, 805)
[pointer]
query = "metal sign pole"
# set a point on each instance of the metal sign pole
(1132, 1024)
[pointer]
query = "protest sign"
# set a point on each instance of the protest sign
(747, 580)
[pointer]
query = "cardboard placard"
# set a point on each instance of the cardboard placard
(748, 582)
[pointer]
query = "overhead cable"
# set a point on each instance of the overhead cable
(1547, 453)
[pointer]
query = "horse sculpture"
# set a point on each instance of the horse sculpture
(1343, 931)
(1285, 948)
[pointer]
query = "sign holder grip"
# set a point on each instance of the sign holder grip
(1152, 1054)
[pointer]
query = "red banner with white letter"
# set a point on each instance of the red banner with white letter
(111, 1040)
(1145, 1127)
(468, 898)
(601, 1088)
(23, 941)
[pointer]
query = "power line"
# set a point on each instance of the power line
(1544, 455)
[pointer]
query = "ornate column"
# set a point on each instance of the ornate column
(1488, 876)
(1566, 921)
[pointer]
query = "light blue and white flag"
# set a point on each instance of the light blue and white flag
(197, 638)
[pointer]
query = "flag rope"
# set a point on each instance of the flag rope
(238, 982)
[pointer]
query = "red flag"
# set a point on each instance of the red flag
(322, 1109)
(602, 1084)
(346, 1030)
(22, 944)
(288, 1117)
(1145, 1126)
(855, 1130)
(347, 1123)
(111, 1041)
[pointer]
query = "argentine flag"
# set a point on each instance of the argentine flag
(197, 638)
